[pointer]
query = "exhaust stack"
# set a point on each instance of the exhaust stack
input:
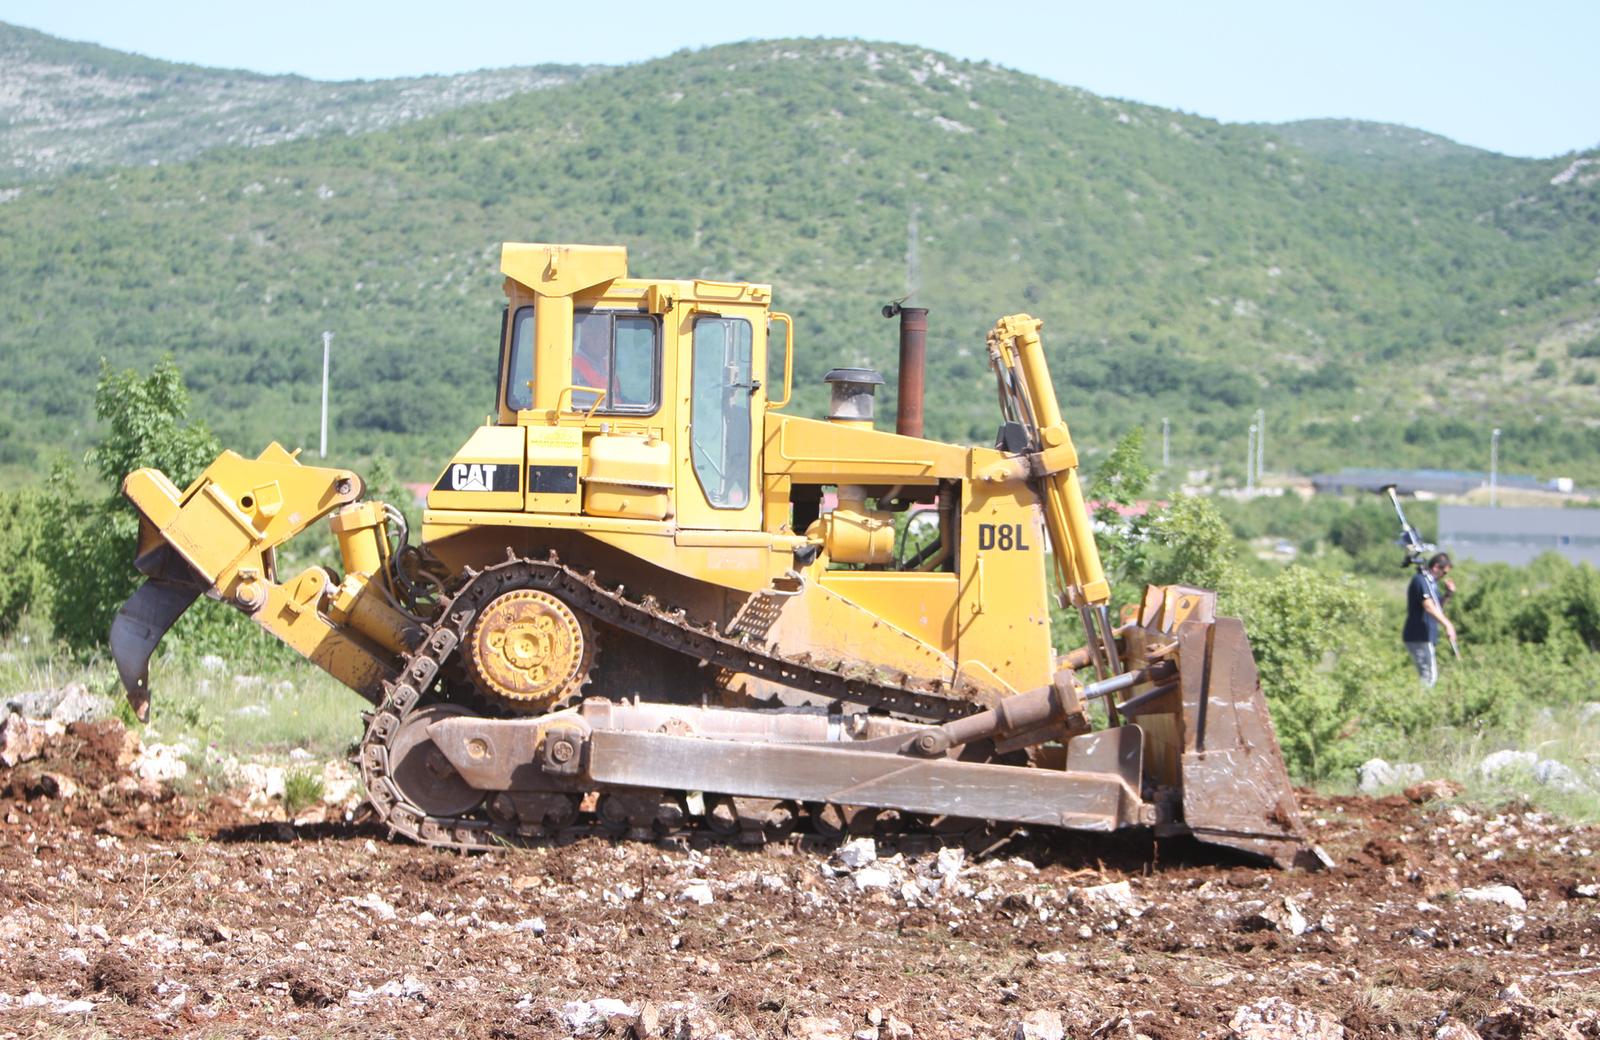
(913, 367)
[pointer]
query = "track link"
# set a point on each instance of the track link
(844, 680)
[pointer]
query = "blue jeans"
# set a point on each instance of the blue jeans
(1427, 665)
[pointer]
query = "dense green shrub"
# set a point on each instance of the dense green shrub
(24, 525)
(1320, 665)
(1551, 604)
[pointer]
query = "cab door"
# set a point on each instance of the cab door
(720, 411)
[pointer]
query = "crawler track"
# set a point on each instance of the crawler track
(843, 680)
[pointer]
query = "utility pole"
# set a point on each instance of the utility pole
(1261, 441)
(1166, 443)
(1250, 463)
(327, 340)
(1494, 464)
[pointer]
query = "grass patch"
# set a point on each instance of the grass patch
(295, 705)
(302, 788)
(272, 710)
(1567, 734)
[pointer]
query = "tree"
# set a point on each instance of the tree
(89, 556)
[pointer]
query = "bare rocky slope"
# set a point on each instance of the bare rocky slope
(72, 105)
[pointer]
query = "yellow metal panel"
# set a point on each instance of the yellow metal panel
(552, 357)
(1003, 617)
(816, 452)
(239, 507)
(441, 523)
(290, 612)
(485, 474)
(822, 621)
(746, 567)
(724, 538)
(922, 604)
(632, 460)
(561, 270)
(555, 456)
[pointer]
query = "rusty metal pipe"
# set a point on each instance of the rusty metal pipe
(1025, 711)
(913, 368)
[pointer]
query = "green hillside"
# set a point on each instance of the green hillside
(1380, 312)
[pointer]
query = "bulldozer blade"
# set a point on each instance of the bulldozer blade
(1236, 788)
(137, 629)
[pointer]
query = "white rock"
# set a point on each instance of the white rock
(950, 861)
(1586, 891)
(1039, 1025)
(35, 704)
(1455, 1029)
(338, 783)
(587, 1017)
(810, 1027)
(1501, 761)
(1551, 773)
(854, 855)
(300, 754)
(54, 1005)
(394, 988)
(1115, 897)
(1282, 917)
(264, 782)
(1376, 774)
(530, 924)
(873, 877)
(21, 740)
(160, 763)
(380, 908)
(213, 664)
(1273, 1018)
(697, 892)
(1589, 712)
(1505, 895)
(77, 704)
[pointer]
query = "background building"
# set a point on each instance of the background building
(1516, 536)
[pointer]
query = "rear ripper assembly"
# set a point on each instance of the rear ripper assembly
(645, 598)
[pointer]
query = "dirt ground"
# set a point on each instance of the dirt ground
(131, 911)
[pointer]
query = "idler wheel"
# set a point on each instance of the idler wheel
(420, 770)
(530, 650)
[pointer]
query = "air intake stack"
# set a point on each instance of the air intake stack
(853, 389)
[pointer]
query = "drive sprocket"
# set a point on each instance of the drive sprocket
(530, 651)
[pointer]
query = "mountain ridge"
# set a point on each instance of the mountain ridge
(1185, 267)
(74, 106)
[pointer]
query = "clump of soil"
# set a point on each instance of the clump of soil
(116, 975)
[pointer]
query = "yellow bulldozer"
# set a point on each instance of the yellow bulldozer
(646, 599)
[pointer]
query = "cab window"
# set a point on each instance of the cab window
(719, 410)
(620, 354)
(519, 394)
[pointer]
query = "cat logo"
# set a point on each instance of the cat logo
(472, 477)
(478, 476)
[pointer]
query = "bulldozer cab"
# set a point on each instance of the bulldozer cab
(623, 399)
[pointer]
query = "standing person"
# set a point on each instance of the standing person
(1424, 615)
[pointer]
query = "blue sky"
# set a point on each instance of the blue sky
(1521, 79)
